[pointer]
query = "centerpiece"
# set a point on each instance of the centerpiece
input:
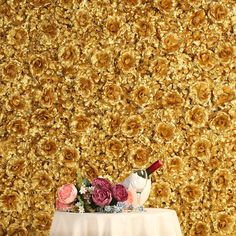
(100, 195)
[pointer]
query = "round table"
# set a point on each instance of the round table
(152, 222)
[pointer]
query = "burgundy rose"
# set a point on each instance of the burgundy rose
(102, 196)
(101, 183)
(120, 193)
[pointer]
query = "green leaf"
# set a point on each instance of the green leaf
(86, 182)
(88, 207)
(80, 200)
(79, 180)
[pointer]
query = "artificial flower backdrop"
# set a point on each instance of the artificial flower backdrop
(101, 86)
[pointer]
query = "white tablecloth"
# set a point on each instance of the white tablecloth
(153, 222)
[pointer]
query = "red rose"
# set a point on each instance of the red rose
(119, 193)
(101, 183)
(102, 196)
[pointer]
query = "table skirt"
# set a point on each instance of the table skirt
(152, 222)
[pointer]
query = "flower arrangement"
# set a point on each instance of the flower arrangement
(100, 195)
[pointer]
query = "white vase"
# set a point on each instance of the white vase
(145, 193)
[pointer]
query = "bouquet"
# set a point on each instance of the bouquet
(99, 196)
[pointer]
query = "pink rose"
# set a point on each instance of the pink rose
(130, 198)
(63, 207)
(101, 183)
(119, 192)
(102, 196)
(67, 193)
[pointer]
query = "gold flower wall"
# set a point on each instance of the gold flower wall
(102, 86)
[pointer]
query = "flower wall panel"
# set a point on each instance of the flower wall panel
(103, 86)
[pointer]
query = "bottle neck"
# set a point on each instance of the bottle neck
(156, 165)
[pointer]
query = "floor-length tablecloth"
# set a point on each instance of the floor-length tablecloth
(152, 222)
